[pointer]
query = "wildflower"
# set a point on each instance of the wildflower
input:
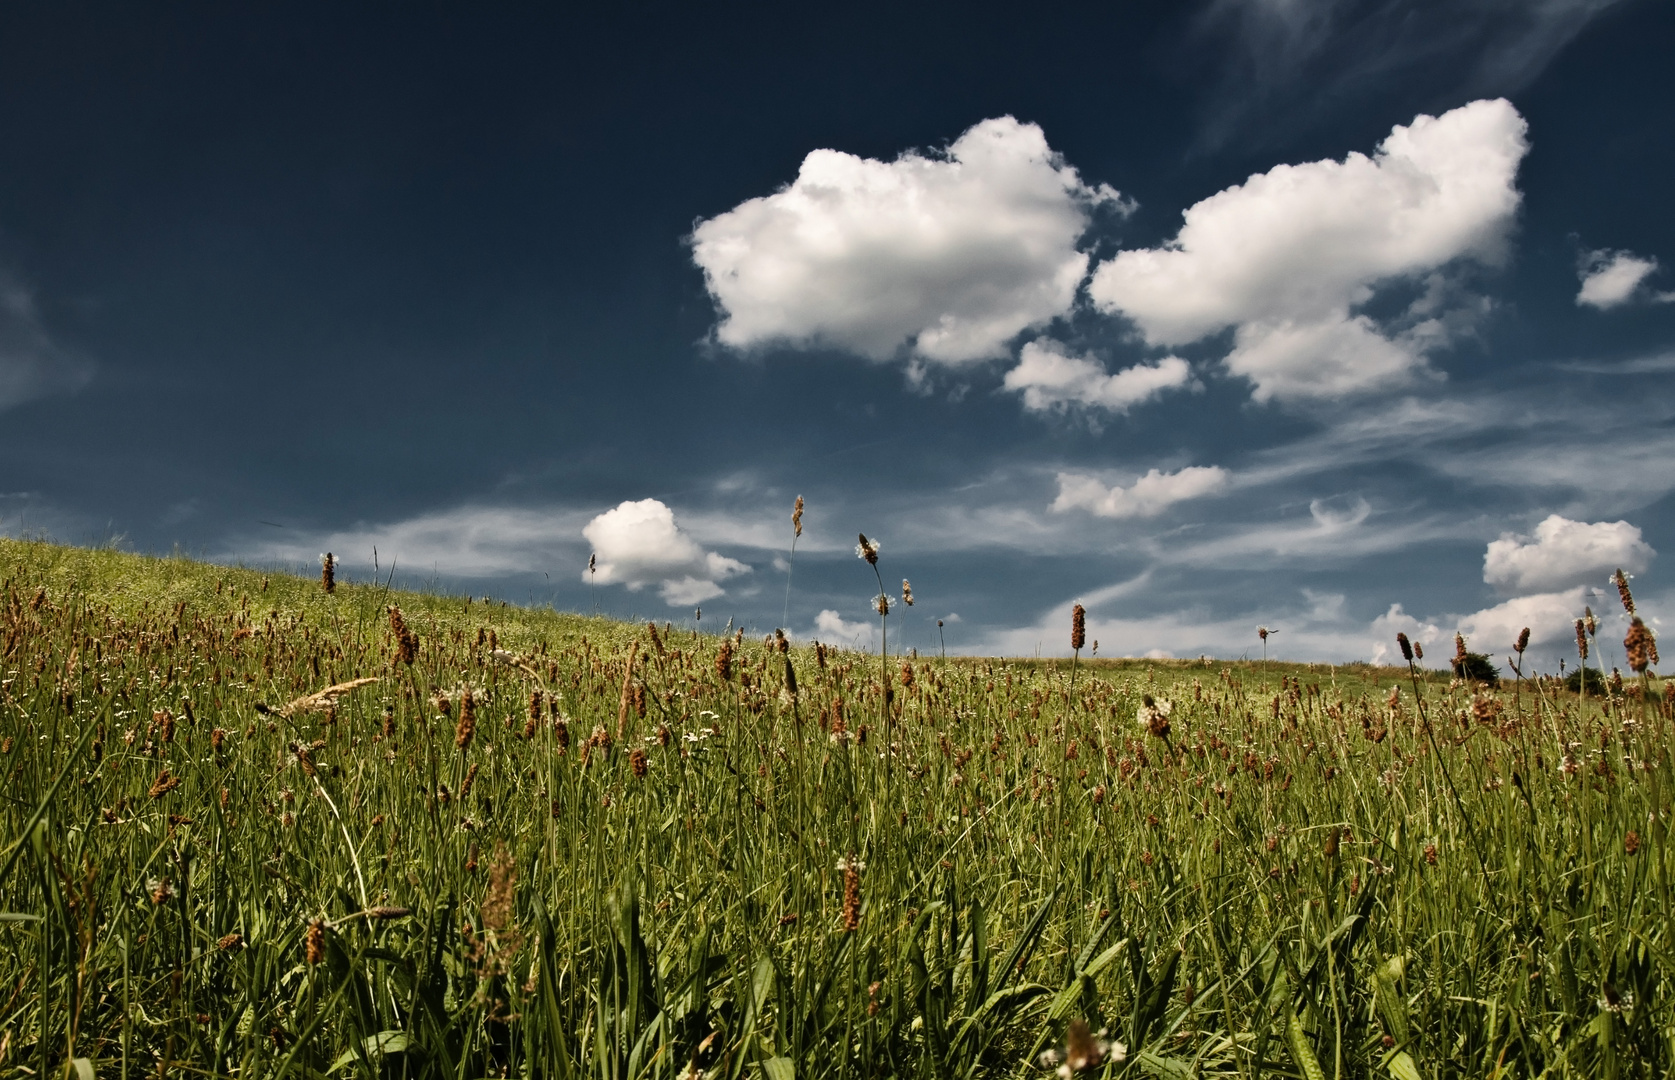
(906, 592)
(161, 890)
(1084, 1050)
(868, 550)
(1459, 652)
(1581, 640)
(1078, 627)
(1153, 715)
(881, 603)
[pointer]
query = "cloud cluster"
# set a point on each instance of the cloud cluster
(951, 255)
(1613, 278)
(1564, 553)
(1050, 379)
(1148, 496)
(639, 544)
(32, 364)
(1286, 257)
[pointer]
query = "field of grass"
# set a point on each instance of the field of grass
(545, 845)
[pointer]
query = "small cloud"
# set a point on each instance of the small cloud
(1339, 513)
(639, 544)
(1157, 654)
(1052, 380)
(830, 626)
(1613, 278)
(1148, 496)
(1396, 621)
(1564, 553)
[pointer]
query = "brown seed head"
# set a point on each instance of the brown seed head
(724, 661)
(314, 942)
(637, 763)
(1523, 641)
(797, 517)
(868, 550)
(851, 896)
(467, 728)
(1581, 640)
(1640, 646)
(906, 592)
(500, 898)
(1459, 650)
(1406, 647)
(1631, 842)
(328, 572)
(1620, 580)
(1078, 627)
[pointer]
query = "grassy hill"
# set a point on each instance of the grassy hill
(253, 828)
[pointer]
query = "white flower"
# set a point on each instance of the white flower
(871, 547)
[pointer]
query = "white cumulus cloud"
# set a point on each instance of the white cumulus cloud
(1564, 553)
(951, 254)
(639, 544)
(1148, 496)
(832, 627)
(1051, 379)
(1550, 617)
(1613, 278)
(1288, 256)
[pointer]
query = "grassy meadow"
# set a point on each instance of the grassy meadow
(254, 829)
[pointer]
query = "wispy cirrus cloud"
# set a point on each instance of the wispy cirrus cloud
(33, 364)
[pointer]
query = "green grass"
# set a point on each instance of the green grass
(1303, 879)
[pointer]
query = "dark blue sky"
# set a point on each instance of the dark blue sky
(459, 283)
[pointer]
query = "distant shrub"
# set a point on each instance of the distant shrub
(1477, 667)
(1593, 680)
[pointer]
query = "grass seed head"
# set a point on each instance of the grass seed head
(314, 942)
(1640, 646)
(328, 572)
(868, 550)
(467, 720)
(797, 517)
(1620, 580)
(1078, 627)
